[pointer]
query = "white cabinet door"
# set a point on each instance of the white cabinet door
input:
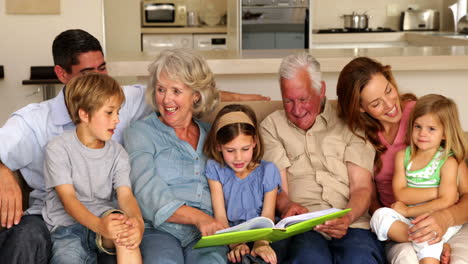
(157, 42)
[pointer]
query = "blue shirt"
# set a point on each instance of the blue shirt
(166, 174)
(243, 198)
(25, 134)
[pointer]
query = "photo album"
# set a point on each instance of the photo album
(262, 228)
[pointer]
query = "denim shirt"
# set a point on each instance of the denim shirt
(166, 174)
(25, 134)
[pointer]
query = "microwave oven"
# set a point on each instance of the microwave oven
(164, 13)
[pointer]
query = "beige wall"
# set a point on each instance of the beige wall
(27, 40)
(326, 13)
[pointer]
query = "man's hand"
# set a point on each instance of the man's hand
(401, 208)
(336, 228)
(11, 203)
(208, 225)
(293, 208)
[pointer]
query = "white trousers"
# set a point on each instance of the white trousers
(382, 220)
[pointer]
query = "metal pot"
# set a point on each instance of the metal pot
(462, 25)
(355, 21)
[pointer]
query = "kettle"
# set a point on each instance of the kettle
(458, 11)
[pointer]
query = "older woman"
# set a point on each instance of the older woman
(368, 100)
(167, 162)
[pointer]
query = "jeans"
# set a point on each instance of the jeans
(74, 244)
(159, 247)
(27, 242)
(358, 246)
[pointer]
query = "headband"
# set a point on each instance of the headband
(233, 118)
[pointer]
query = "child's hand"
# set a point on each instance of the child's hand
(401, 208)
(262, 248)
(111, 225)
(131, 238)
(236, 254)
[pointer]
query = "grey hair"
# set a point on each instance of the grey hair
(189, 68)
(292, 63)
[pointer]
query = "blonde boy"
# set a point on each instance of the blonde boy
(84, 171)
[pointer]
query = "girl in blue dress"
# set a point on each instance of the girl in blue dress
(242, 185)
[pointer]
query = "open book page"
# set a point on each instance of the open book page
(254, 223)
(266, 231)
(303, 217)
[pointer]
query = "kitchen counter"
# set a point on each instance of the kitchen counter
(405, 51)
(402, 58)
(184, 30)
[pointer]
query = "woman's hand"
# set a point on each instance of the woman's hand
(263, 249)
(236, 253)
(208, 225)
(429, 227)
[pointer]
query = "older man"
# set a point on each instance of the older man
(323, 165)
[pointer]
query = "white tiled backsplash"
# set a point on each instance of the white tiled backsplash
(385, 13)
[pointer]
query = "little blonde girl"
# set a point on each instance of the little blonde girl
(242, 185)
(425, 176)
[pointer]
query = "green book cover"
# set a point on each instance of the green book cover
(285, 228)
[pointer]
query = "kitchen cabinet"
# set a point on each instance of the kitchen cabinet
(273, 40)
(258, 40)
(289, 40)
(158, 42)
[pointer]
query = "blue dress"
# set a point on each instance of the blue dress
(243, 198)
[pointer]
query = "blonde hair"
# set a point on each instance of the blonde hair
(446, 111)
(190, 69)
(89, 92)
(225, 134)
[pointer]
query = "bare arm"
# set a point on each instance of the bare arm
(284, 181)
(440, 221)
(269, 201)
(129, 204)
(360, 186)
(217, 199)
(375, 202)
(108, 226)
(286, 207)
(230, 96)
(11, 204)
(405, 194)
(191, 216)
(448, 194)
